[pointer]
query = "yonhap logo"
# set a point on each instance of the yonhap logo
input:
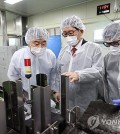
(93, 121)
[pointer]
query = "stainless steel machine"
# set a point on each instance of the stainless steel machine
(14, 106)
(99, 118)
(41, 120)
(3, 126)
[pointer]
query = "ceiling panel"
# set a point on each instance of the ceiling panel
(31, 7)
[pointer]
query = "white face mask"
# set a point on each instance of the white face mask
(71, 40)
(38, 51)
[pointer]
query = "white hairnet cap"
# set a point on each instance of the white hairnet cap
(112, 32)
(73, 21)
(36, 33)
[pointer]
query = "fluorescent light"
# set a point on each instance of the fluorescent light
(12, 1)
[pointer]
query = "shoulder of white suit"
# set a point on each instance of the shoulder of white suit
(50, 52)
(93, 44)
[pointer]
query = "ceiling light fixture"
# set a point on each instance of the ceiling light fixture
(12, 1)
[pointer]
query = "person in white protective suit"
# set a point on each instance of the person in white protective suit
(81, 61)
(43, 60)
(111, 36)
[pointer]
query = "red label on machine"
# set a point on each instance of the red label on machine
(27, 62)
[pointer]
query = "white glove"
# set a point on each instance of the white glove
(53, 104)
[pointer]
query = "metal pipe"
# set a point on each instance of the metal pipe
(41, 104)
(64, 96)
(29, 90)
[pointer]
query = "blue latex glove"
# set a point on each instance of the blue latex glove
(116, 102)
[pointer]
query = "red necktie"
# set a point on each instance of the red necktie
(73, 50)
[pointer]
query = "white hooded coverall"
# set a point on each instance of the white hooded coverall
(87, 63)
(45, 64)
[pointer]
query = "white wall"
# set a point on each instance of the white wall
(86, 11)
(11, 27)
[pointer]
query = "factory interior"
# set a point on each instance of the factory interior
(37, 110)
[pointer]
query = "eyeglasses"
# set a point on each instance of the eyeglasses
(114, 44)
(70, 33)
